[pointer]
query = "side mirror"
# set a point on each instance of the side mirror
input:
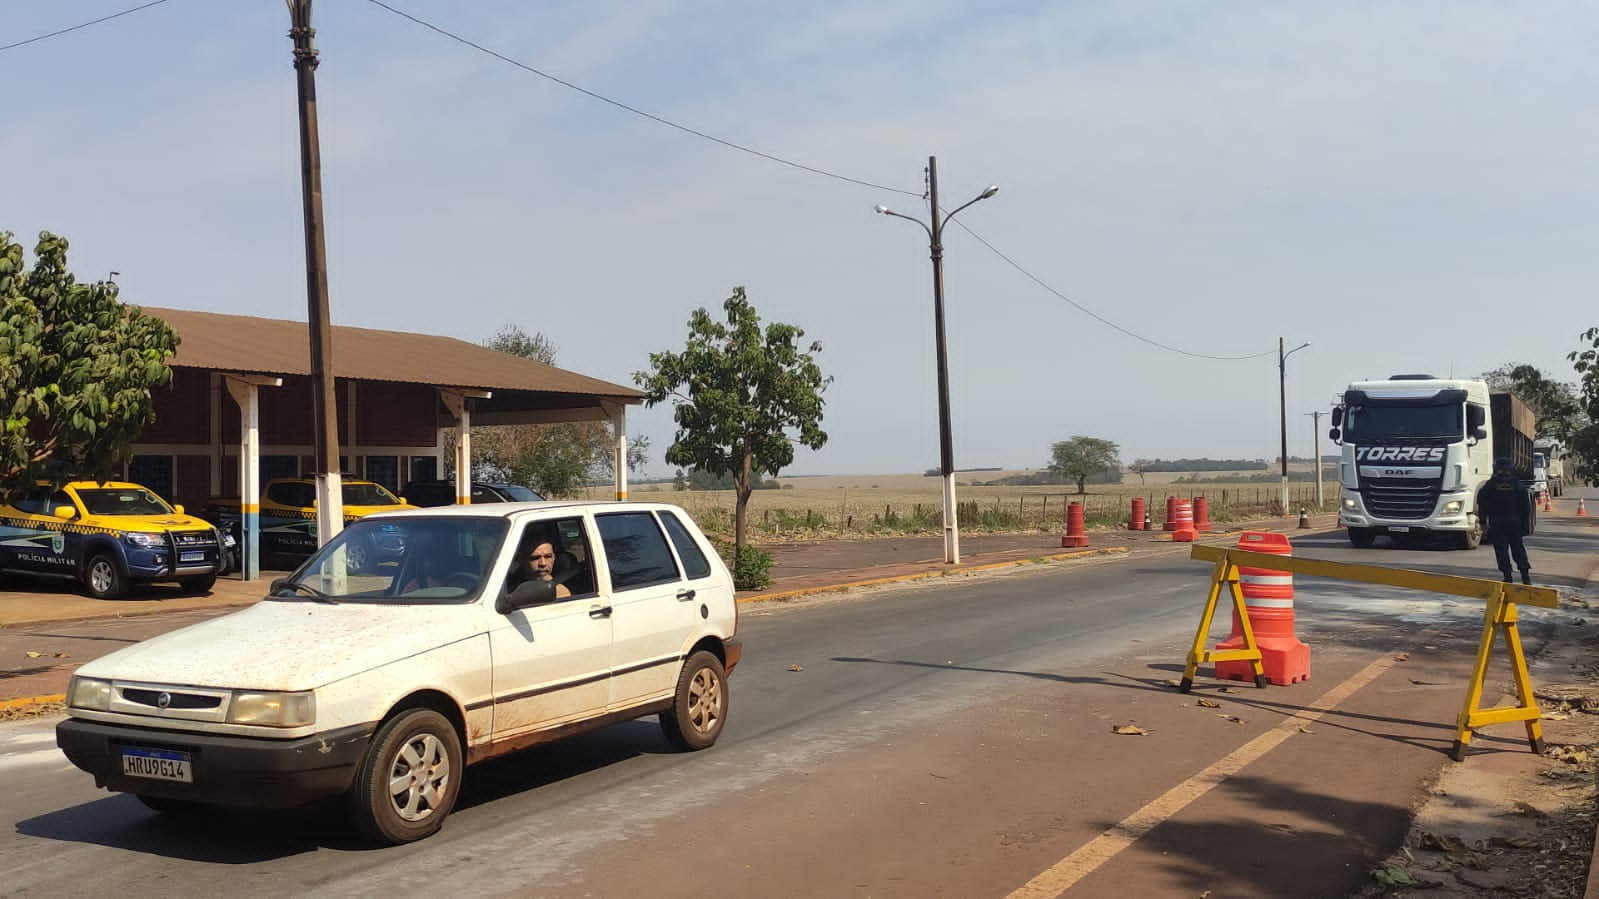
(178, 508)
(1336, 435)
(65, 513)
(277, 584)
(1337, 417)
(1475, 419)
(527, 593)
(1480, 432)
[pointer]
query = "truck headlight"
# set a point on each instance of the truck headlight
(89, 693)
(1452, 506)
(138, 538)
(1349, 503)
(272, 709)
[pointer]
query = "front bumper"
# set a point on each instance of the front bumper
(237, 771)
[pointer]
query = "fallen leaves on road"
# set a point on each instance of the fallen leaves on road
(1428, 683)
(1404, 656)
(1305, 729)
(1233, 718)
(1128, 730)
(1565, 752)
(1528, 809)
(62, 655)
(1207, 704)
(33, 655)
(796, 667)
(1226, 690)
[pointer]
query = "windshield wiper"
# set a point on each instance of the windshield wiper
(307, 589)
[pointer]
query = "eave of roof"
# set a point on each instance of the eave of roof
(241, 343)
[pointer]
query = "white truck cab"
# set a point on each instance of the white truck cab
(381, 684)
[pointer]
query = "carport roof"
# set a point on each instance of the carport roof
(270, 346)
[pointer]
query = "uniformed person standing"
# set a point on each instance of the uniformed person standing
(1505, 509)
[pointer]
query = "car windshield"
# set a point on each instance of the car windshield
(1375, 424)
(520, 494)
(123, 501)
(367, 495)
(400, 561)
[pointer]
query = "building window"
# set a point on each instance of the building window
(384, 470)
(154, 472)
(424, 468)
(273, 467)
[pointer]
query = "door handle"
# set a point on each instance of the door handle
(599, 611)
(685, 595)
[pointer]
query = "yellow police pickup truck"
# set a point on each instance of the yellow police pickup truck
(108, 535)
(288, 521)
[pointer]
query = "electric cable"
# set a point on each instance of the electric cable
(115, 15)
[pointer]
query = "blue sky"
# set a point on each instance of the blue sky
(1406, 185)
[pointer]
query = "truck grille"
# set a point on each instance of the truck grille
(1402, 498)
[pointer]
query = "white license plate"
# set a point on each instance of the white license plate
(191, 557)
(1394, 530)
(156, 764)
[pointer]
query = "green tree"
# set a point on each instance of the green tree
(743, 398)
(1083, 457)
(1583, 440)
(76, 369)
(1141, 467)
(555, 459)
(1553, 402)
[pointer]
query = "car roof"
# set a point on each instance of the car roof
(508, 510)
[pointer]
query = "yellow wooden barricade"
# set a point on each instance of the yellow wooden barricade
(1499, 617)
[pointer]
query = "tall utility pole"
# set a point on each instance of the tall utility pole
(946, 449)
(1282, 407)
(324, 403)
(1315, 435)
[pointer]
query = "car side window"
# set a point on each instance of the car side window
(59, 500)
(694, 562)
(635, 550)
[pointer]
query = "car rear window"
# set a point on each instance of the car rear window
(694, 562)
(635, 550)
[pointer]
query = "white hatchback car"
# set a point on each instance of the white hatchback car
(382, 685)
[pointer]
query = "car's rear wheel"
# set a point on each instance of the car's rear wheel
(409, 779)
(700, 708)
(103, 578)
(200, 583)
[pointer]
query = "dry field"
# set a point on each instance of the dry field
(912, 503)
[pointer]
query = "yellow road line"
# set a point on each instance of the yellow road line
(28, 701)
(1091, 855)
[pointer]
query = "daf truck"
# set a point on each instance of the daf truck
(1415, 451)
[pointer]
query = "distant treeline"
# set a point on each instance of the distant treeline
(1045, 478)
(1151, 465)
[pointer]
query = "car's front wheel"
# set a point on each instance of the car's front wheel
(700, 708)
(409, 779)
(103, 578)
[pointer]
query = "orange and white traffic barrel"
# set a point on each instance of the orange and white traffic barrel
(1269, 598)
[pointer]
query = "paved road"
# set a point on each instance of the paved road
(941, 739)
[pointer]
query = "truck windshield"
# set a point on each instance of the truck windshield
(401, 561)
(1370, 424)
(128, 501)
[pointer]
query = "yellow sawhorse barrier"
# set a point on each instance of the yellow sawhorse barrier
(1499, 617)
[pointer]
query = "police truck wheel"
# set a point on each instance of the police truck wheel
(409, 779)
(103, 578)
(1362, 537)
(700, 709)
(200, 583)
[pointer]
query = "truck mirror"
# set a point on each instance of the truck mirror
(1480, 433)
(1475, 419)
(1337, 417)
(1336, 435)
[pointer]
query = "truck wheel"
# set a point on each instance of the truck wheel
(200, 583)
(700, 709)
(409, 779)
(103, 578)
(1362, 537)
(1470, 539)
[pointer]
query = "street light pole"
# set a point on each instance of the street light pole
(946, 448)
(1315, 437)
(1282, 403)
(324, 404)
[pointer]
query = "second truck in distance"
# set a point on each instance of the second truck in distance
(1416, 449)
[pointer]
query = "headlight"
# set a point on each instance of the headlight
(147, 540)
(272, 709)
(1349, 503)
(88, 693)
(1452, 506)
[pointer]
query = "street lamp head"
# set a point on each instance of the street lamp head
(883, 210)
(992, 189)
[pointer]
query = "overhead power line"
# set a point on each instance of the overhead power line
(1095, 315)
(115, 15)
(633, 109)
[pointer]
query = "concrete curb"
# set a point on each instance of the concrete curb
(135, 613)
(924, 575)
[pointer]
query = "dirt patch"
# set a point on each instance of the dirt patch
(1515, 824)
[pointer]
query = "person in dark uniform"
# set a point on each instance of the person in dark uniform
(1505, 509)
